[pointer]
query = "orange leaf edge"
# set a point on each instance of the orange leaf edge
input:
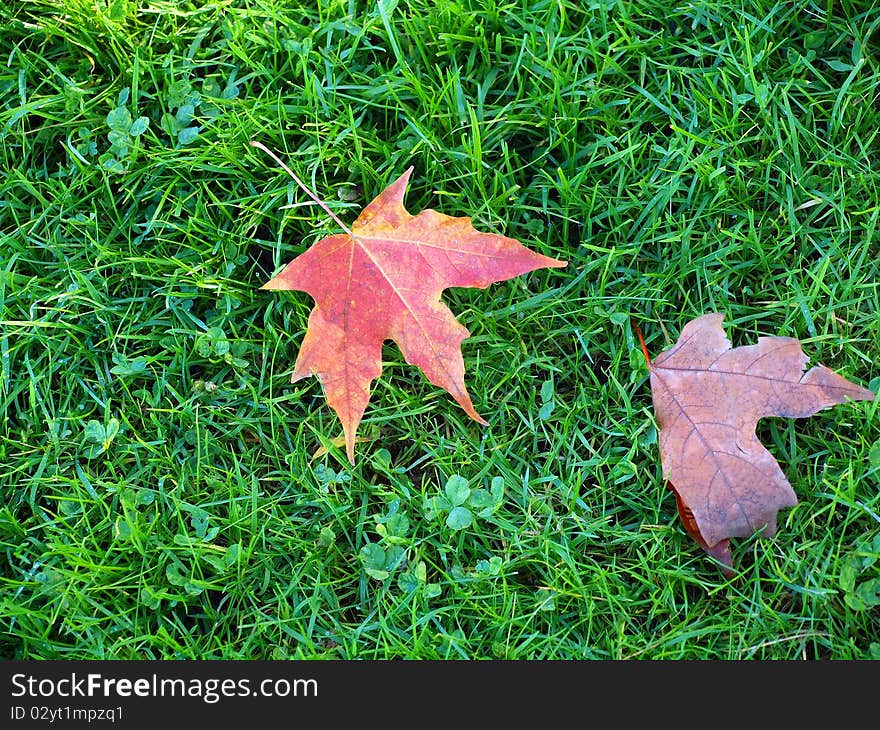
(720, 551)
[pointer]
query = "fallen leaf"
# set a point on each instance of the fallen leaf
(335, 443)
(324, 450)
(382, 280)
(708, 397)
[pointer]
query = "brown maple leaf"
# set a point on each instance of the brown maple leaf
(708, 398)
(382, 280)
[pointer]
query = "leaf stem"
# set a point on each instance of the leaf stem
(299, 182)
(644, 346)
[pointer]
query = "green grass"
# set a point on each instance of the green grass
(682, 157)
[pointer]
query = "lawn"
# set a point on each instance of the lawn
(168, 493)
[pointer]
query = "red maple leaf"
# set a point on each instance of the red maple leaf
(382, 280)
